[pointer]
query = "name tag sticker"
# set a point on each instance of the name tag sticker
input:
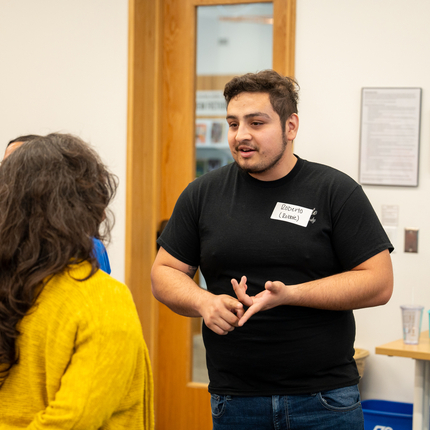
(292, 214)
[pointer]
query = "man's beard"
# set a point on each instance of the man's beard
(262, 169)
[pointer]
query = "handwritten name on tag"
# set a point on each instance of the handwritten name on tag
(292, 214)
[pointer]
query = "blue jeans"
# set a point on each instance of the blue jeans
(335, 409)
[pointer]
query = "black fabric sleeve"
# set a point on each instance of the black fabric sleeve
(180, 238)
(357, 232)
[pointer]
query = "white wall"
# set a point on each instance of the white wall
(64, 68)
(342, 46)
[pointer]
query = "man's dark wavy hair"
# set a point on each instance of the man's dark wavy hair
(283, 91)
(54, 193)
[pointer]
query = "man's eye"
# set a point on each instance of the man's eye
(232, 124)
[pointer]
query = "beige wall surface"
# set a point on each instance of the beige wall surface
(342, 47)
(64, 69)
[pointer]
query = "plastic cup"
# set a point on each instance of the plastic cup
(411, 317)
(429, 321)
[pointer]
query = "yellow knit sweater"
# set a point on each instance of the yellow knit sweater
(83, 363)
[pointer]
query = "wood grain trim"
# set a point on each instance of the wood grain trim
(284, 36)
(143, 149)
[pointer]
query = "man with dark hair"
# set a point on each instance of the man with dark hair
(100, 252)
(288, 249)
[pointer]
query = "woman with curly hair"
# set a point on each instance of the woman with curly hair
(99, 250)
(72, 354)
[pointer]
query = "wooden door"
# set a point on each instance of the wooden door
(160, 163)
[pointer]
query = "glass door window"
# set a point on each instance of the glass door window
(231, 40)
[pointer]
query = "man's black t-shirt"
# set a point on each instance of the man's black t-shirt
(313, 223)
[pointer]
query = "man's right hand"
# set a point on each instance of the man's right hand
(173, 285)
(221, 313)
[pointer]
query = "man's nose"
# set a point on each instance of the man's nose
(242, 133)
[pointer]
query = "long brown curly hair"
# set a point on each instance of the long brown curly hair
(54, 193)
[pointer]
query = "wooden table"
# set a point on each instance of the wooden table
(421, 354)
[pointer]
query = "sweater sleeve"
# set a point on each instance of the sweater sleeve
(105, 372)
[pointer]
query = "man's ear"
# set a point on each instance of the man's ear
(292, 127)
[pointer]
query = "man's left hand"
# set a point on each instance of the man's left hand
(272, 296)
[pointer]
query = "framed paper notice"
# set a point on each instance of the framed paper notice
(390, 136)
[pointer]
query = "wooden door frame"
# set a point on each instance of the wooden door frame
(160, 165)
